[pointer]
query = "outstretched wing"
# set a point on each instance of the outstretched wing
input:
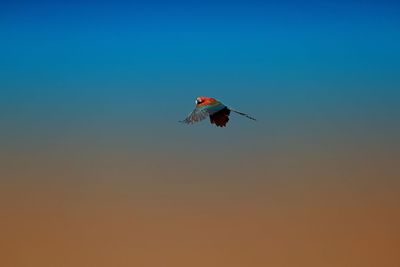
(198, 114)
(202, 111)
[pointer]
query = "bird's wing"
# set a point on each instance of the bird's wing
(198, 114)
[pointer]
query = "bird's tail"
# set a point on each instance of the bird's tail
(243, 114)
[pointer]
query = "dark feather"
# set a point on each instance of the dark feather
(221, 117)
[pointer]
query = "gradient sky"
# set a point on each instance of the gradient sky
(322, 74)
(91, 95)
(303, 69)
(143, 60)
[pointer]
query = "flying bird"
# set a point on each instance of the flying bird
(211, 107)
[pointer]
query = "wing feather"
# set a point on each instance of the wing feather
(198, 114)
(201, 112)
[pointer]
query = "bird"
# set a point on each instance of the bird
(214, 109)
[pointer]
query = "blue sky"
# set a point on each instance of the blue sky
(280, 61)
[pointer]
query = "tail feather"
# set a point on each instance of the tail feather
(244, 114)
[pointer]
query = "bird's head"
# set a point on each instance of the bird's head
(203, 100)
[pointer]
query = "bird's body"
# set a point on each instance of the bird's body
(211, 107)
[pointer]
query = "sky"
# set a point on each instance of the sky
(90, 98)
(250, 54)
